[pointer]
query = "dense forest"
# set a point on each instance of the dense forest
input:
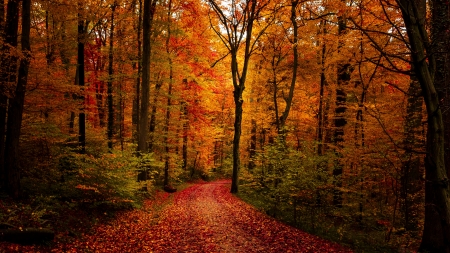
(330, 115)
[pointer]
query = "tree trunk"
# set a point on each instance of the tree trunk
(3, 98)
(136, 102)
(149, 11)
(440, 20)
(411, 173)
(153, 116)
(238, 101)
(80, 63)
(169, 95)
(8, 67)
(233, 43)
(15, 109)
(2, 18)
(285, 114)
(166, 129)
(185, 118)
(110, 80)
(321, 120)
(340, 121)
(436, 233)
(252, 152)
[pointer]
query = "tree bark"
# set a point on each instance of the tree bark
(81, 74)
(3, 98)
(149, 11)
(185, 118)
(411, 173)
(15, 109)
(238, 101)
(136, 102)
(285, 114)
(436, 233)
(169, 96)
(153, 116)
(8, 67)
(340, 121)
(440, 35)
(110, 80)
(252, 152)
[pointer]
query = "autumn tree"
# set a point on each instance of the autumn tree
(148, 13)
(237, 20)
(436, 234)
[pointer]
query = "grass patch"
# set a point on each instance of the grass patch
(326, 222)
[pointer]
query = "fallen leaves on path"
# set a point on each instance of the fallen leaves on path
(202, 218)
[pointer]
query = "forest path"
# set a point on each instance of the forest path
(207, 218)
(202, 218)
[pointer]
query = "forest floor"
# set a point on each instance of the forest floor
(204, 217)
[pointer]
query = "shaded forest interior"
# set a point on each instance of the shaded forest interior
(329, 115)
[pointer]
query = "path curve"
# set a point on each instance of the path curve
(207, 218)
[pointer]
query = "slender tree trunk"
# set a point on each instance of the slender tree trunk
(3, 97)
(169, 94)
(50, 49)
(238, 101)
(275, 95)
(15, 109)
(233, 44)
(166, 128)
(8, 67)
(287, 109)
(2, 19)
(320, 114)
(185, 119)
(321, 166)
(80, 63)
(110, 80)
(153, 116)
(252, 153)
(136, 102)
(149, 10)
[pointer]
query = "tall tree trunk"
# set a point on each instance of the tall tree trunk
(252, 152)
(233, 43)
(323, 83)
(290, 96)
(411, 174)
(3, 97)
(153, 116)
(166, 128)
(185, 118)
(340, 121)
(440, 35)
(15, 109)
(2, 19)
(81, 74)
(436, 233)
(136, 101)
(50, 49)
(321, 119)
(238, 101)
(169, 95)
(8, 67)
(110, 80)
(149, 11)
